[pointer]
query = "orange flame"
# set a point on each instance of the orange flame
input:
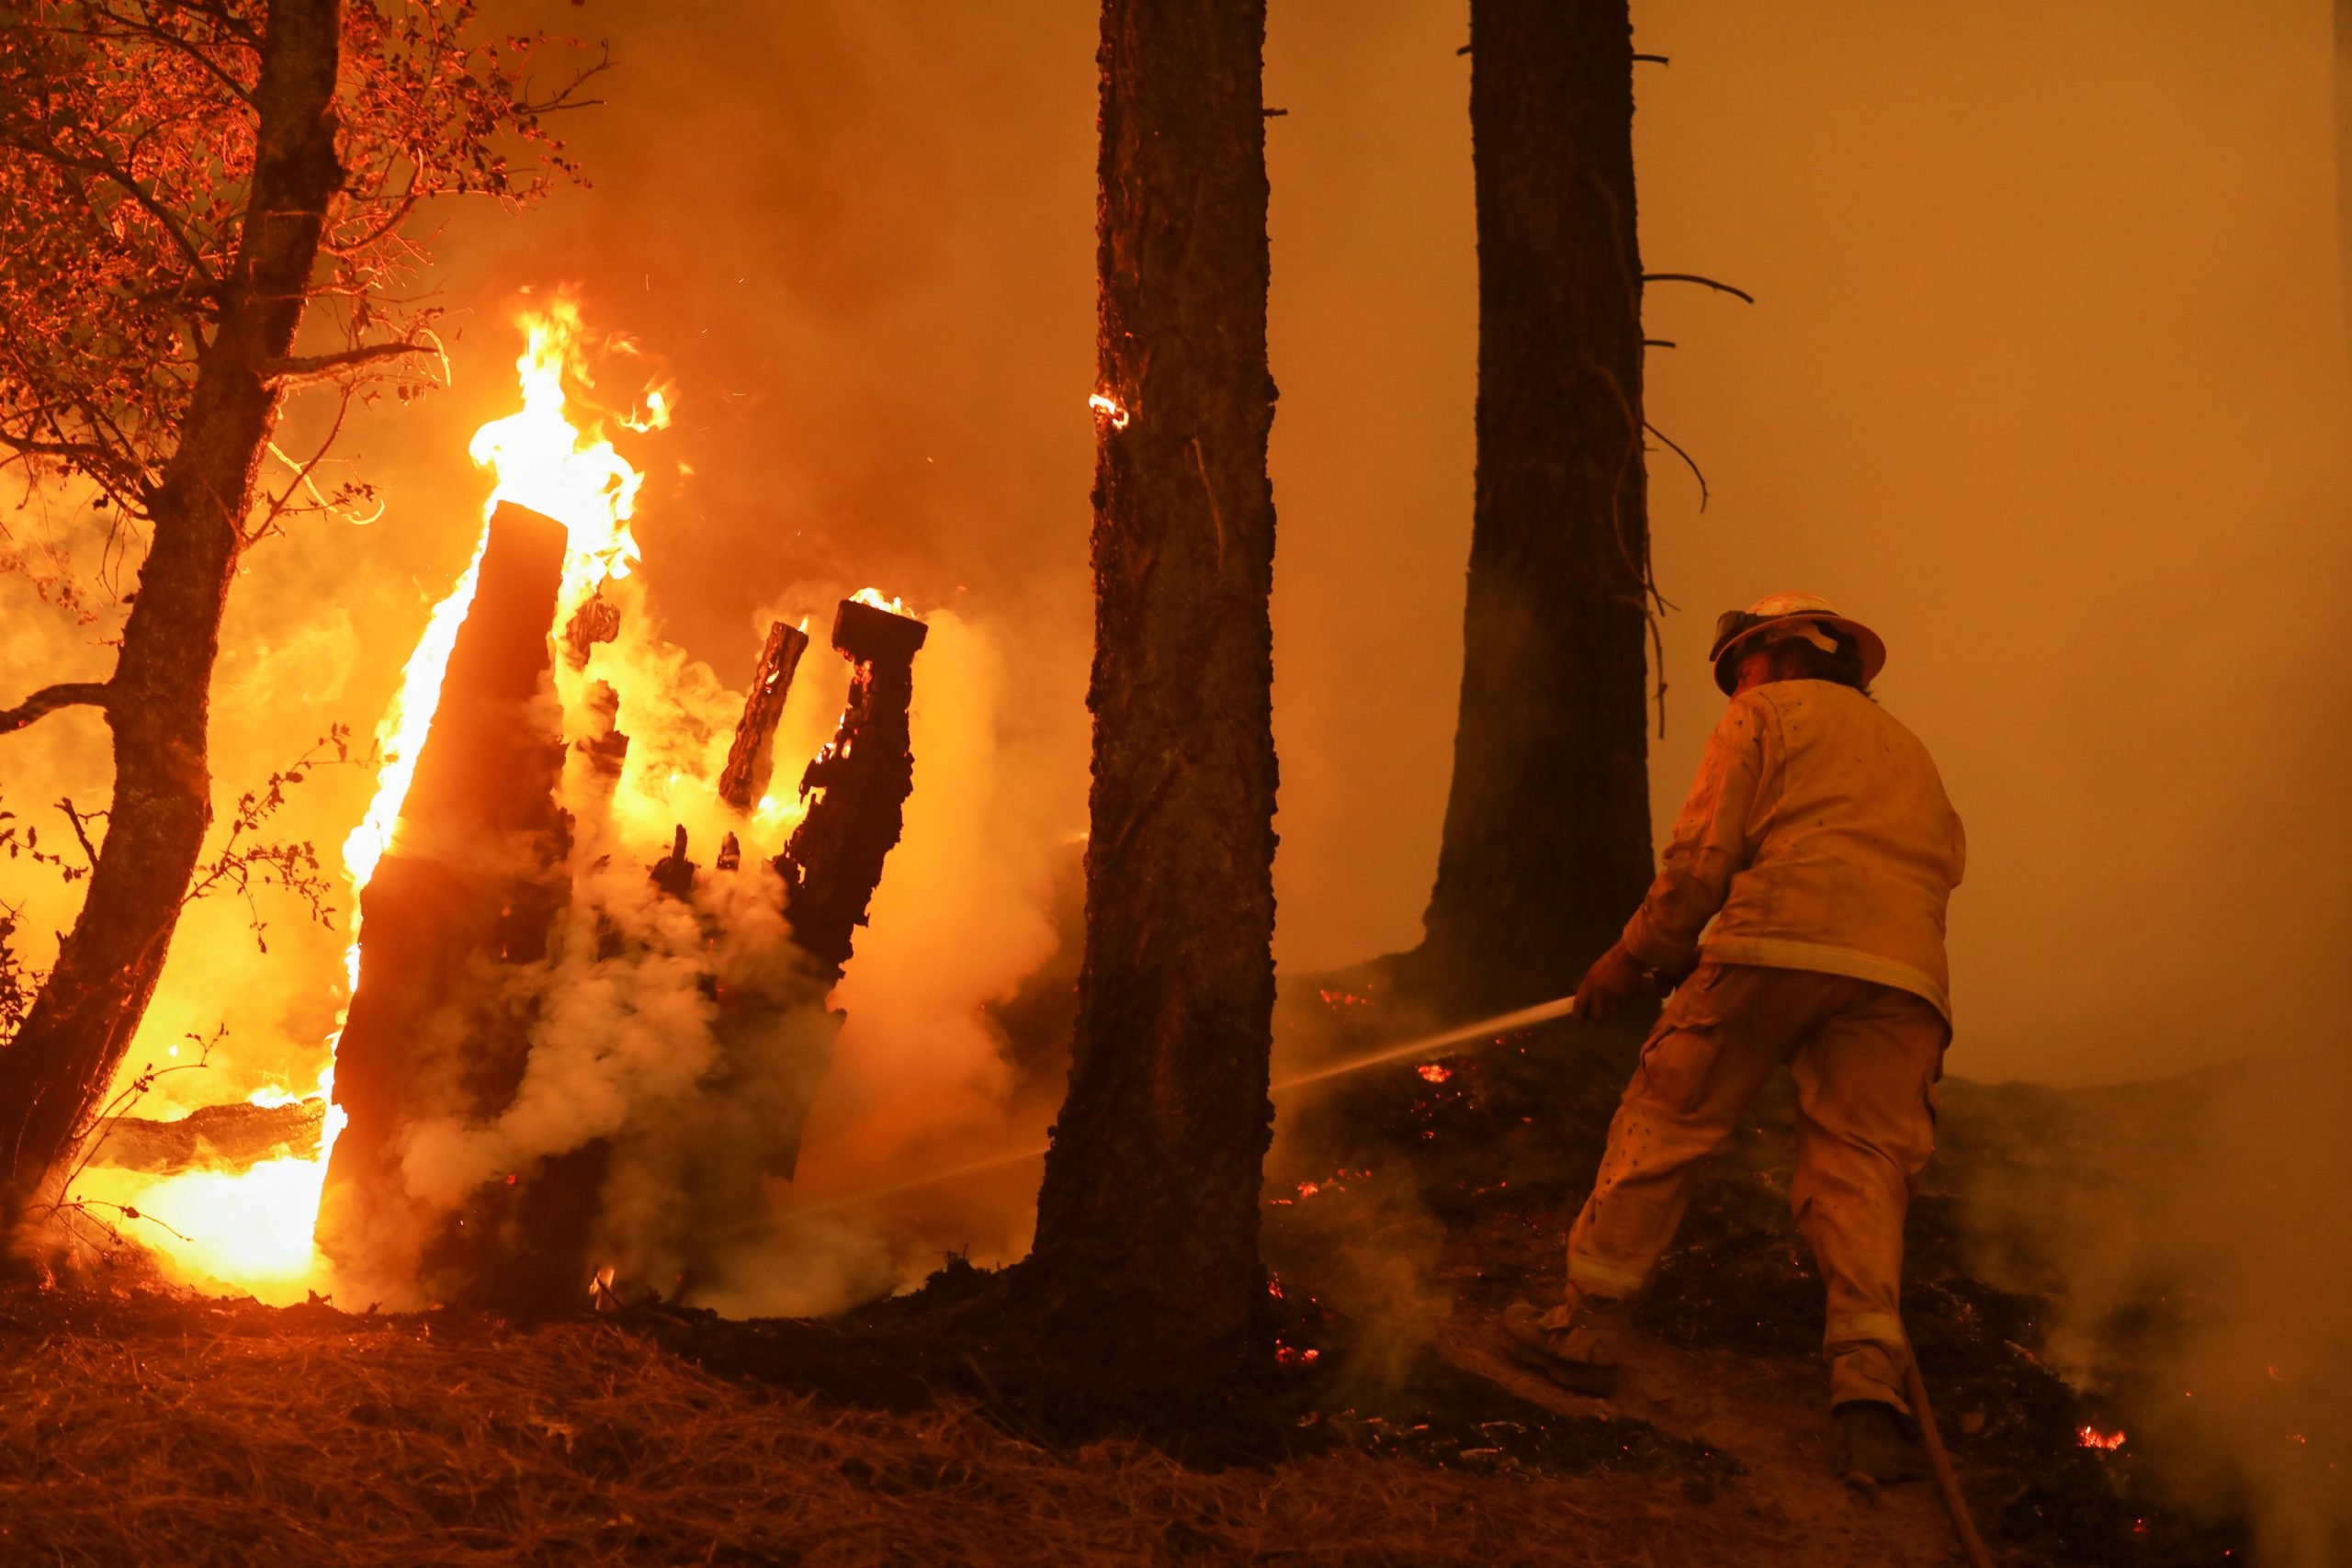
(545, 462)
(251, 1229)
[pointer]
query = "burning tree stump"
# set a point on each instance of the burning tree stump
(835, 861)
(774, 1033)
(466, 892)
(460, 948)
(749, 759)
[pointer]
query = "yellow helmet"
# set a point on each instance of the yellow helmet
(1738, 631)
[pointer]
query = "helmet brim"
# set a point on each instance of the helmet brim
(1866, 642)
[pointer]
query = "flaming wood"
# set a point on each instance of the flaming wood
(597, 620)
(748, 759)
(470, 885)
(218, 1137)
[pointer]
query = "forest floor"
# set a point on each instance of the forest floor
(140, 1425)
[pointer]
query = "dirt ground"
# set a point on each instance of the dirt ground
(152, 1430)
(140, 1425)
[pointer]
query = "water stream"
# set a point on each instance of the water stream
(1453, 1041)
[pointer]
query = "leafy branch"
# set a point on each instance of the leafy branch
(247, 862)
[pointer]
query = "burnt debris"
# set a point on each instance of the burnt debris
(861, 780)
(750, 758)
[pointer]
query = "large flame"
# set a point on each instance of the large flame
(251, 1229)
(543, 461)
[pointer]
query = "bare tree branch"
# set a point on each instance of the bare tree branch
(81, 828)
(1686, 457)
(49, 699)
(304, 369)
(1694, 278)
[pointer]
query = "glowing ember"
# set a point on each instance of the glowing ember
(1434, 1073)
(2092, 1438)
(1110, 408)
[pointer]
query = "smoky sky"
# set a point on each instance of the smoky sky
(2045, 380)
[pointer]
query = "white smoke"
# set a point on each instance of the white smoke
(689, 1036)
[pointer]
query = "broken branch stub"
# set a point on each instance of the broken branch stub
(861, 780)
(749, 759)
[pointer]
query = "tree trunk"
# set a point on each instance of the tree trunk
(52, 1075)
(2344, 166)
(1546, 846)
(1147, 1219)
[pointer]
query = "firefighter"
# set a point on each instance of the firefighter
(1806, 880)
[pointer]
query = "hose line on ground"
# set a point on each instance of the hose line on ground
(1954, 1503)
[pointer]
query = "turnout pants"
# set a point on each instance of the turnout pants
(1865, 1058)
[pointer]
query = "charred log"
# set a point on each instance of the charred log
(861, 780)
(217, 1137)
(464, 895)
(597, 620)
(673, 873)
(750, 758)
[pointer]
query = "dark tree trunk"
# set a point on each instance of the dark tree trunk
(1147, 1219)
(54, 1072)
(2344, 166)
(1546, 847)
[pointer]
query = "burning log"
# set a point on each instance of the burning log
(468, 887)
(749, 759)
(597, 620)
(834, 861)
(218, 1137)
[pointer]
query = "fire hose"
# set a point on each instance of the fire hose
(1946, 1482)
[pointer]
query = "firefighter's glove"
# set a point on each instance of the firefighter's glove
(1612, 981)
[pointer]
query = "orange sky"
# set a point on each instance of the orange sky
(2045, 380)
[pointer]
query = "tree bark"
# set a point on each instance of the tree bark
(53, 1074)
(1546, 846)
(1148, 1219)
(2344, 167)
